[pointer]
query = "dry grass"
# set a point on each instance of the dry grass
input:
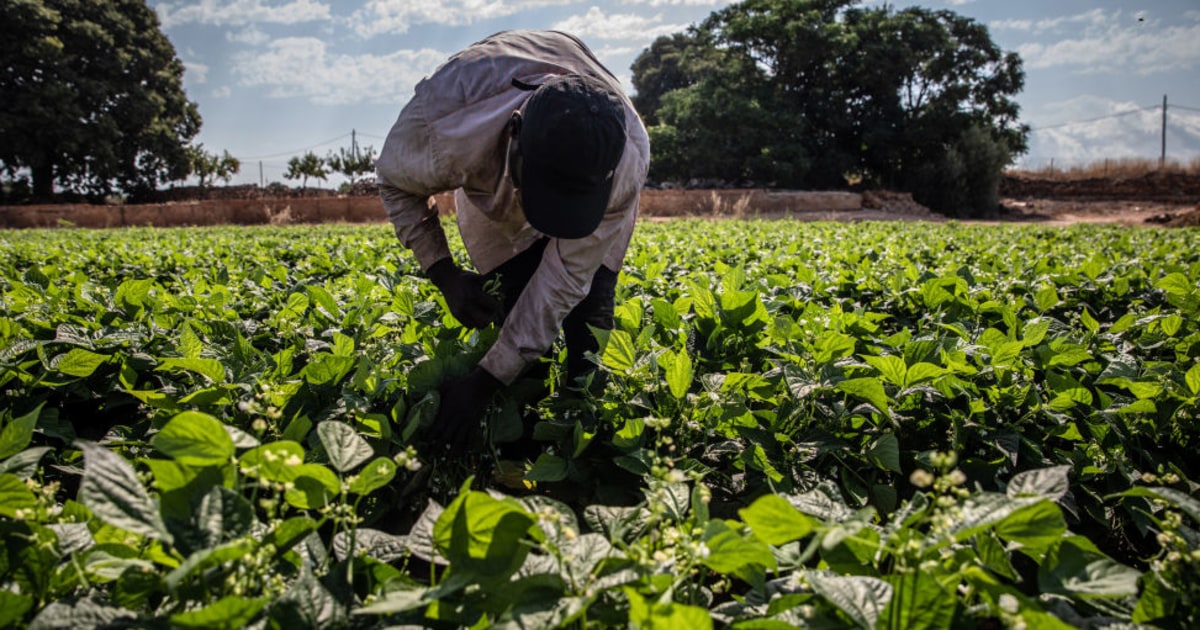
(722, 208)
(1117, 168)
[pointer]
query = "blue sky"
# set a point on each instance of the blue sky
(276, 78)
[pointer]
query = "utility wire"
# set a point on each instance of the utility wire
(294, 152)
(1190, 109)
(1098, 118)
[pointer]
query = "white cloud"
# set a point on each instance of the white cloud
(1107, 128)
(250, 35)
(240, 12)
(1095, 17)
(679, 3)
(221, 92)
(302, 67)
(377, 17)
(595, 24)
(196, 72)
(1109, 42)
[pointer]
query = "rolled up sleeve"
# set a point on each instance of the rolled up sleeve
(561, 281)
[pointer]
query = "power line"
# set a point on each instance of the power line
(1190, 109)
(1098, 118)
(294, 152)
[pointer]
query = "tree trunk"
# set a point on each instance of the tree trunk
(43, 182)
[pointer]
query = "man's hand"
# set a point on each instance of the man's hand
(465, 295)
(463, 401)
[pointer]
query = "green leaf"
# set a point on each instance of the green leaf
(1181, 500)
(210, 369)
(920, 372)
(14, 496)
(984, 510)
(1036, 526)
(481, 535)
(25, 463)
(863, 599)
(13, 608)
(313, 486)
(79, 362)
(1035, 331)
(1049, 483)
(774, 521)
(375, 475)
(1156, 601)
(1046, 298)
(276, 461)
(381, 546)
(547, 468)
(868, 389)
(18, 433)
(307, 604)
(345, 447)
(1088, 321)
(1069, 398)
(329, 369)
(223, 514)
(1077, 572)
(190, 345)
(1070, 357)
(195, 439)
(1193, 379)
(111, 490)
(402, 598)
(1175, 283)
(891, 368)
(647, 615)
(678, 369)
(619, 354)
(84, 613)
(1171, 324)
(730, 552)
(885, 452)
(919, 602)
(135, 586)
(227, 613)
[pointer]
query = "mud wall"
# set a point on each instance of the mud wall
(366, 209)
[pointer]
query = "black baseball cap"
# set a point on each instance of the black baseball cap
(572, 137)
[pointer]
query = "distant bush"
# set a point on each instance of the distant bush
(965, 181)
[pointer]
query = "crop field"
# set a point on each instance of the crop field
(816, 425)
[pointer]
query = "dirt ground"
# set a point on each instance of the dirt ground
(1071, 211)
(1156, 198)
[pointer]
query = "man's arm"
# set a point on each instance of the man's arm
(416, 223)
(562, 280)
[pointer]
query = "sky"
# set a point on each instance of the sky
(274, 79)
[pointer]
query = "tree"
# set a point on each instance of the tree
(352, 163)
(305, 166)
(209, 166)
(93, 96)
(828, 90)
(670, 63)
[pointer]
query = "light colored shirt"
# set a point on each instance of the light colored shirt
(453, 136)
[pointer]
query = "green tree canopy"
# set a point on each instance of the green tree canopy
(304, 166)
(353, 163)
(210, 166)
(809, 93)
(93, 97)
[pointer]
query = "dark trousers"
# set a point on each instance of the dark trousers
(596, 309)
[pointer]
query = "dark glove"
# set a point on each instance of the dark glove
(463, 402)
(464, 293)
